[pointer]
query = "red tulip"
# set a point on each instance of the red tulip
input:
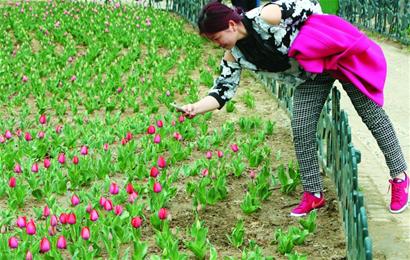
(61, 158)
(208, 155)
(157, 139)
(84, 150)
(124, 141)
(63, 218)
(220, 154)
(46, 211)
(151, 130)
(47, 163)
(44, 245)
(61, 243)
(162, 213)
(177, 136)
(12, 182)
(53, 221)
(119, 89)
(85, 233)
(8, 134)
(234, 147)
(13, 242)
(75, 160)
(160, 124)
(102, 201)
(108, 205)
(75, 200)
(128, 136)
(157, 187)
(181, 118)
(27, 136)
(129, 188)
(161, 162)
(43, 119)
(205, 172)
(34, 168)
(154, 172)
(31, 228)
(94, 215)
(114, 189)
(21, 222)
(71, 219)
(136, 222)
(17, 168)
(118, 210)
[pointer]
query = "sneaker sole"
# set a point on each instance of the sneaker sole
(400, 210)
(304, 214)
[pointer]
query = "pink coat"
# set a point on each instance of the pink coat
(329, 43)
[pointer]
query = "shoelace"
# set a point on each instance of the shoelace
(395, 191)
(304, 200)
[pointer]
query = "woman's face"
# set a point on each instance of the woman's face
(226, 38)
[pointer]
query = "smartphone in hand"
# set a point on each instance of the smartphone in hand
(178, 107)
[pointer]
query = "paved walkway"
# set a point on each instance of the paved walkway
(390, 232)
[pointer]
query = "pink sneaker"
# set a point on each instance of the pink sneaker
(309, 202)
(399, 194)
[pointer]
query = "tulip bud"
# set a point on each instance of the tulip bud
(108, 205)
(102, 201)
(181, 118)
(119, 90)
(8, 134)
(252, 174)
(53, 221)
(2, 139)
(52, 231)
(154, 172)
(168, 93)
(220, 154)
(94, 215)
(18, 132)
(205, 172)
(27, 136)
(85, 233)
(161, 162)
(160, 124)
(84, 150)
(40, 135)
(31, 228)
(71, 219)
(114, 189)
(124, 141)
(29, 255)
(88, 208)
(105, 147)
(136, 222)
(61, 158)
(128, 136)
(157, 187)
(21, 222)
(129, 188)
(47, 163)
(13, 242)
(63, 218)
(24, 78)
(177, 136)
(162, 213)
(157, 139)
(73, 78)
(151, 130)
(17, 168)
(234, 147)
(12, 182)
(43, 119)
(75, 200)
(58, 129)
(61, 243)
(173, 123)
(75, 160)
(132, 197)
(117, 210)
(34, 168)
(44, 245)
(208, 155)
(46, 211)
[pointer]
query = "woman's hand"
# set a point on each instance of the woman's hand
(204, 105)
(190, 110)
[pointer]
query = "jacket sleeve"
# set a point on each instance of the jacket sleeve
(225, 85)
(295, 12)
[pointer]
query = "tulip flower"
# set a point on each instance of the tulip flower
(119, 90)
(2, 139)
(162, 213)
(177, 136)
(61, 243)
(41, 135)
(114, 189)
(43, 119)
(13, 242)
(12, 182)
(58, 129)
(252, 174)
(151, 130)
(128, 136)
(61, 158)
(52, 231)
(75, 160)
(21, 222)
(136, 222)
(157, 187)
(73, 78)
(17, 168)
(24, 78)
(84, 150)
(75, 200)
(102, 201)
(47, 163)
(173, 123)
(161, 162)
(53, 221)
(44, 245)
(124, 141)
(8, 134)
(46, 211)
(234, 147)
(85, 233)
(94, 215)
(88, 208)
(70, 59)
(105, 147)
(63, 218)
(132, 197)
(71, 219)
(160, 124)
(181, 118)
(157, 139)
(108, 205)
(34, 168)
(27, 136)
(117, 210)
(29, 255)
(18, 132)
(31, 228)
(168, 93)
(129, 188)
(220, 154)
(154, 172)
(205, 172)
(208, 155)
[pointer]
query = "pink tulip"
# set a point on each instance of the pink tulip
(234, 147)
(157, 139)
(21, 222)
(46, 211)
(208, 155)
(102, 201)
(28, 137)
(128, 136)
(73, 78)
(161, 162)
(252, 174)
(160, 124)
(181, 118)
(151, 130)
(24, 78)
(220, 154)
(205, 172)
(124, 141)
(132, 197)
(17, 168)
(94, 215)
(41, 135)
(177, 136)
(18, 132)
(136, 222)
(53, 221)
(12, 182)
(118, 210)
(71, 219)
(8, 134)
(119, 90)
(63, 218)
(52, 231)
(61, 243)
(84, 150)
(34, 168)
(75, 160)
(85, 233)
(162, 213)
(105, 147)
(154, 172)
(13, 242)
(47, 163)
(43, 119)
(58, 129)
(2, 139)
(129, 188)
(173, 123)
(70, 59)
(168, 93)
(31, 228)
(157, 187)
(88, 208)
(108, 205)
(61, 158)
(29, 255)
(75, 200)
(114, 189)
(44, 245)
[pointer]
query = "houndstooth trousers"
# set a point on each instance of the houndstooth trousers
(308, 101)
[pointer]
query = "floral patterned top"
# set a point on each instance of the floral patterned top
(294, 13)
